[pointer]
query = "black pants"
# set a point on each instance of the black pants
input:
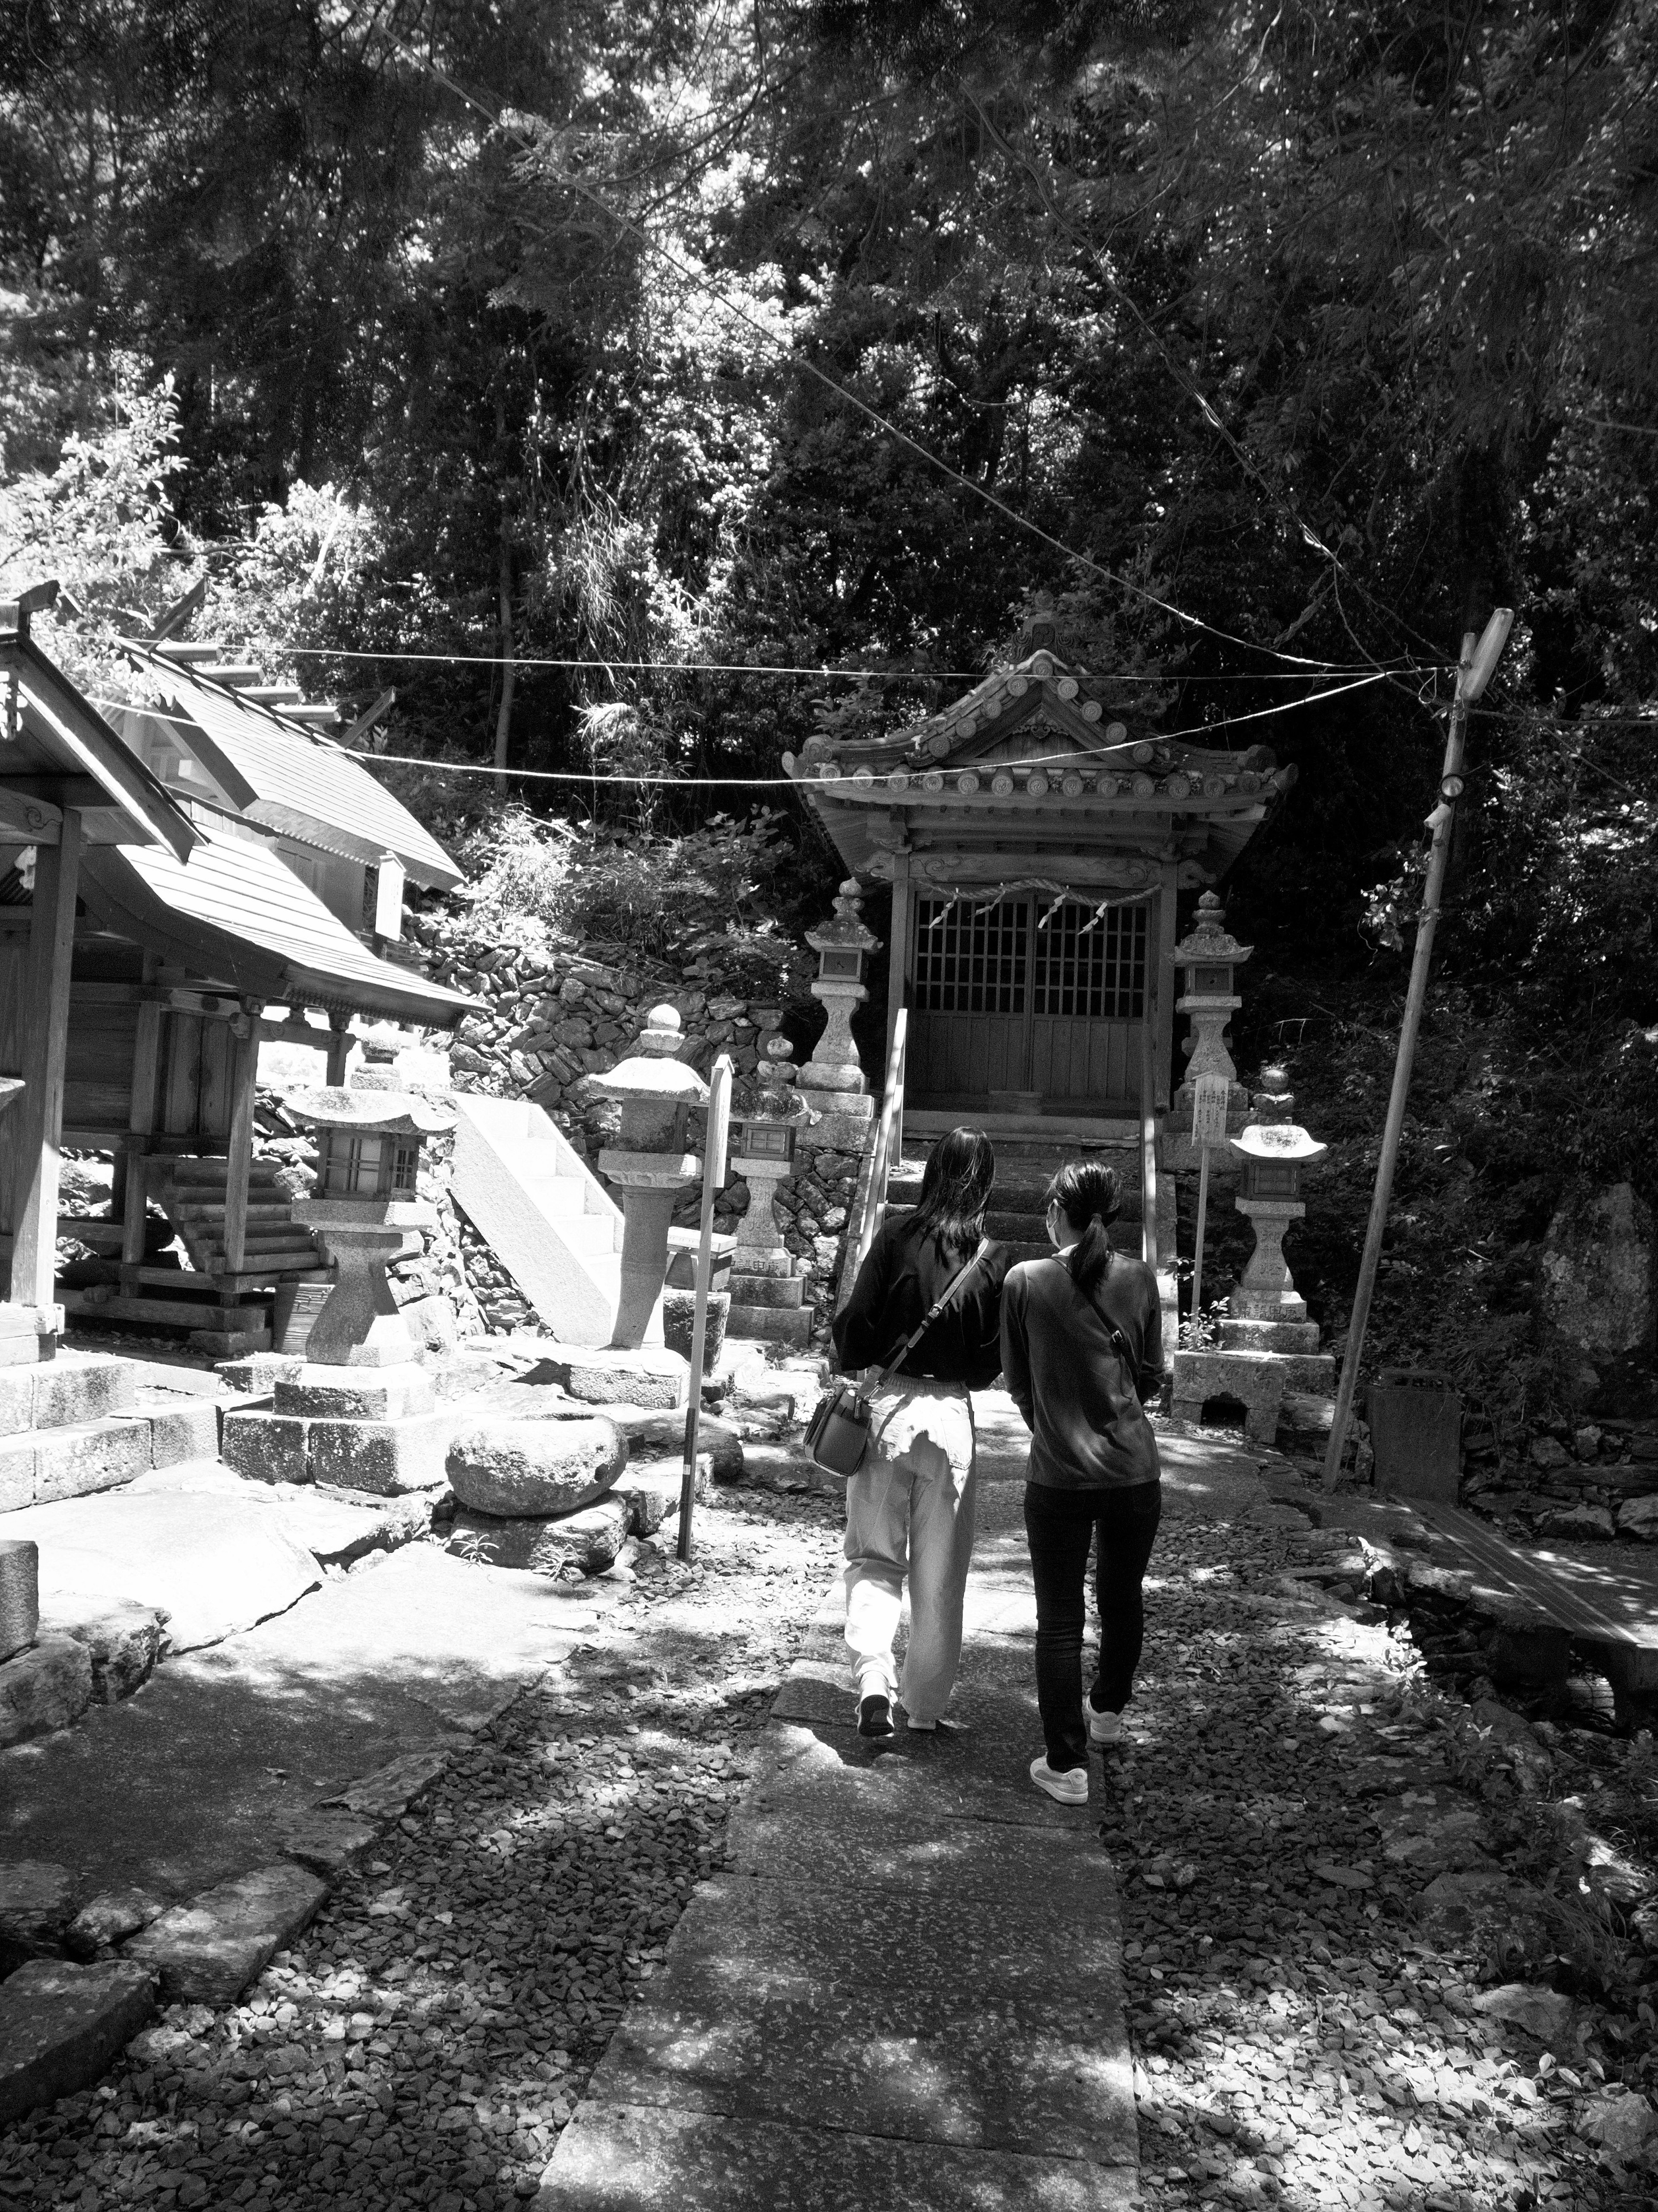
(1060, 1524)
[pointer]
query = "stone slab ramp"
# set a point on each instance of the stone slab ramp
(904, 1988)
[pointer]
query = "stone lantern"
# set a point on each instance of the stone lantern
(833, 1080)
(766, 1292)
(1211, 959)
(1268, 1314)
(366, 1202)
(650, 1162)
(1268, 1344)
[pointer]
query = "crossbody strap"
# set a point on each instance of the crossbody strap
(928, 1318)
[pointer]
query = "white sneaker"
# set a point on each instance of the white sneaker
(1070, 1788)
(1103, 1728)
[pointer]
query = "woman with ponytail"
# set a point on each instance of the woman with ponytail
(910, 1505)
(1082, 1350)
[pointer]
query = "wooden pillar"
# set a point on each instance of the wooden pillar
(40, 1112)
(141, 1123)
(244, 1069)
(903, 909)
(339, 1049)
(1164, 923)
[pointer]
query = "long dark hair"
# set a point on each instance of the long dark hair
(954, 1187)
(1090, 1196)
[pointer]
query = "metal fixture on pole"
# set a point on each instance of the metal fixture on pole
(1479, 658)
(713, 1177)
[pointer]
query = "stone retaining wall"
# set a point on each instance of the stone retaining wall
(553, 1017)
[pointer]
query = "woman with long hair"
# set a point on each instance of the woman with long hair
(910, 1505)
(1082, 1351)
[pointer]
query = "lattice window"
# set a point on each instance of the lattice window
(1094, 972)
(968, 959)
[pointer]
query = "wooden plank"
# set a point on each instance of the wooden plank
(141, 1121)
(898, 952)
(1600, 1604)
(177, 1313)
(215, 1104)
(239, 1160)
(182, 1092)
(41, 1109)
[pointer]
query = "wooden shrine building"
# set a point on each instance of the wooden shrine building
(1037, 848)
(154, 932)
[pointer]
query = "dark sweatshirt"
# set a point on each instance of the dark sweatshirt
(902, 1275)
(1080, 1398)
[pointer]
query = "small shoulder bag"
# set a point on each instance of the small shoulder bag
(838, 1434)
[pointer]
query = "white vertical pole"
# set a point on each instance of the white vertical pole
(1197, 1251)
(713, 1177)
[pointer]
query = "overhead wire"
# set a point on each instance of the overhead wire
(699, 278)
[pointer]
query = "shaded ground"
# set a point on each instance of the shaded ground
(1307, 2024)
(432, 2031)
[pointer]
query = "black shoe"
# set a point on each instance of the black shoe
(875, 1717)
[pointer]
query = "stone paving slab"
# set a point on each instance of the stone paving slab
(906, 1989)
(943, 2017)
(630, 2159)
(196, 1779)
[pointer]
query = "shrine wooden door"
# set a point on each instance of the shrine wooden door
(1022, 996)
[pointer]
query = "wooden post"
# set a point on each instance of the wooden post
(244, 1068)
(714, 1178)
(141, 1123)
(45, 1040)
(1166, 933)
(898, 943)
(339, 1049)
(1197, 1247)
(1148, 1151)
(1480, 656)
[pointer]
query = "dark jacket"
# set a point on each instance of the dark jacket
(896, 1284)
(1081, 1400)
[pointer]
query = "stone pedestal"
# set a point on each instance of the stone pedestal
(766, 1293)
(651, 1164)
(1268, 1346)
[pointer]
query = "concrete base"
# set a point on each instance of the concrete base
(767, 1324)
(385, 1457)
(366, 1394)
(28, 1335)
(1257, 1380)
(779, 1290)
(1291, 1338)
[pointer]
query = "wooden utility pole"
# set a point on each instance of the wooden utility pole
(714, 1178)
(1480, 656)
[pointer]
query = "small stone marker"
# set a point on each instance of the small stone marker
(208, 1951)
(61, 2024)
(20, 1594)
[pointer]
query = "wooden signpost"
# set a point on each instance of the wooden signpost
(713, 1177)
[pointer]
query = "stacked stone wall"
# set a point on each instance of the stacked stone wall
(552, 1016)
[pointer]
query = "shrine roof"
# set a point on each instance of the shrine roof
(59, 750)
(284, 775)
(235, 913)
(1029, 751)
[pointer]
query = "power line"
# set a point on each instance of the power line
(767, 667)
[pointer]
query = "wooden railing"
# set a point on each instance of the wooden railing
(1148, 1147)
(870, 1202)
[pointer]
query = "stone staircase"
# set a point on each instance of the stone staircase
(1028, 1152)
(85, 1421)
(546, 1217)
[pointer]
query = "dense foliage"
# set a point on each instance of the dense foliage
(1278, 341)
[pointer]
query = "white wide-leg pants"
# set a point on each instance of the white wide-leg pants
(909, 1513)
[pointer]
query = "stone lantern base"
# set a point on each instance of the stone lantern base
(1255, 1380)
(378, 1429)
(767, 1300)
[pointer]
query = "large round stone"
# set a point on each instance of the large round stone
(533, 1469)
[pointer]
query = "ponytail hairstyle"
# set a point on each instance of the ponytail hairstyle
(954, 1187)
(1090, 1196)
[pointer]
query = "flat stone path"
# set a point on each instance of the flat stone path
(905, 1985)
(198, 1777)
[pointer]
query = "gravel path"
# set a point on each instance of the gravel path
(429, 2036)
(1305, 2031)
